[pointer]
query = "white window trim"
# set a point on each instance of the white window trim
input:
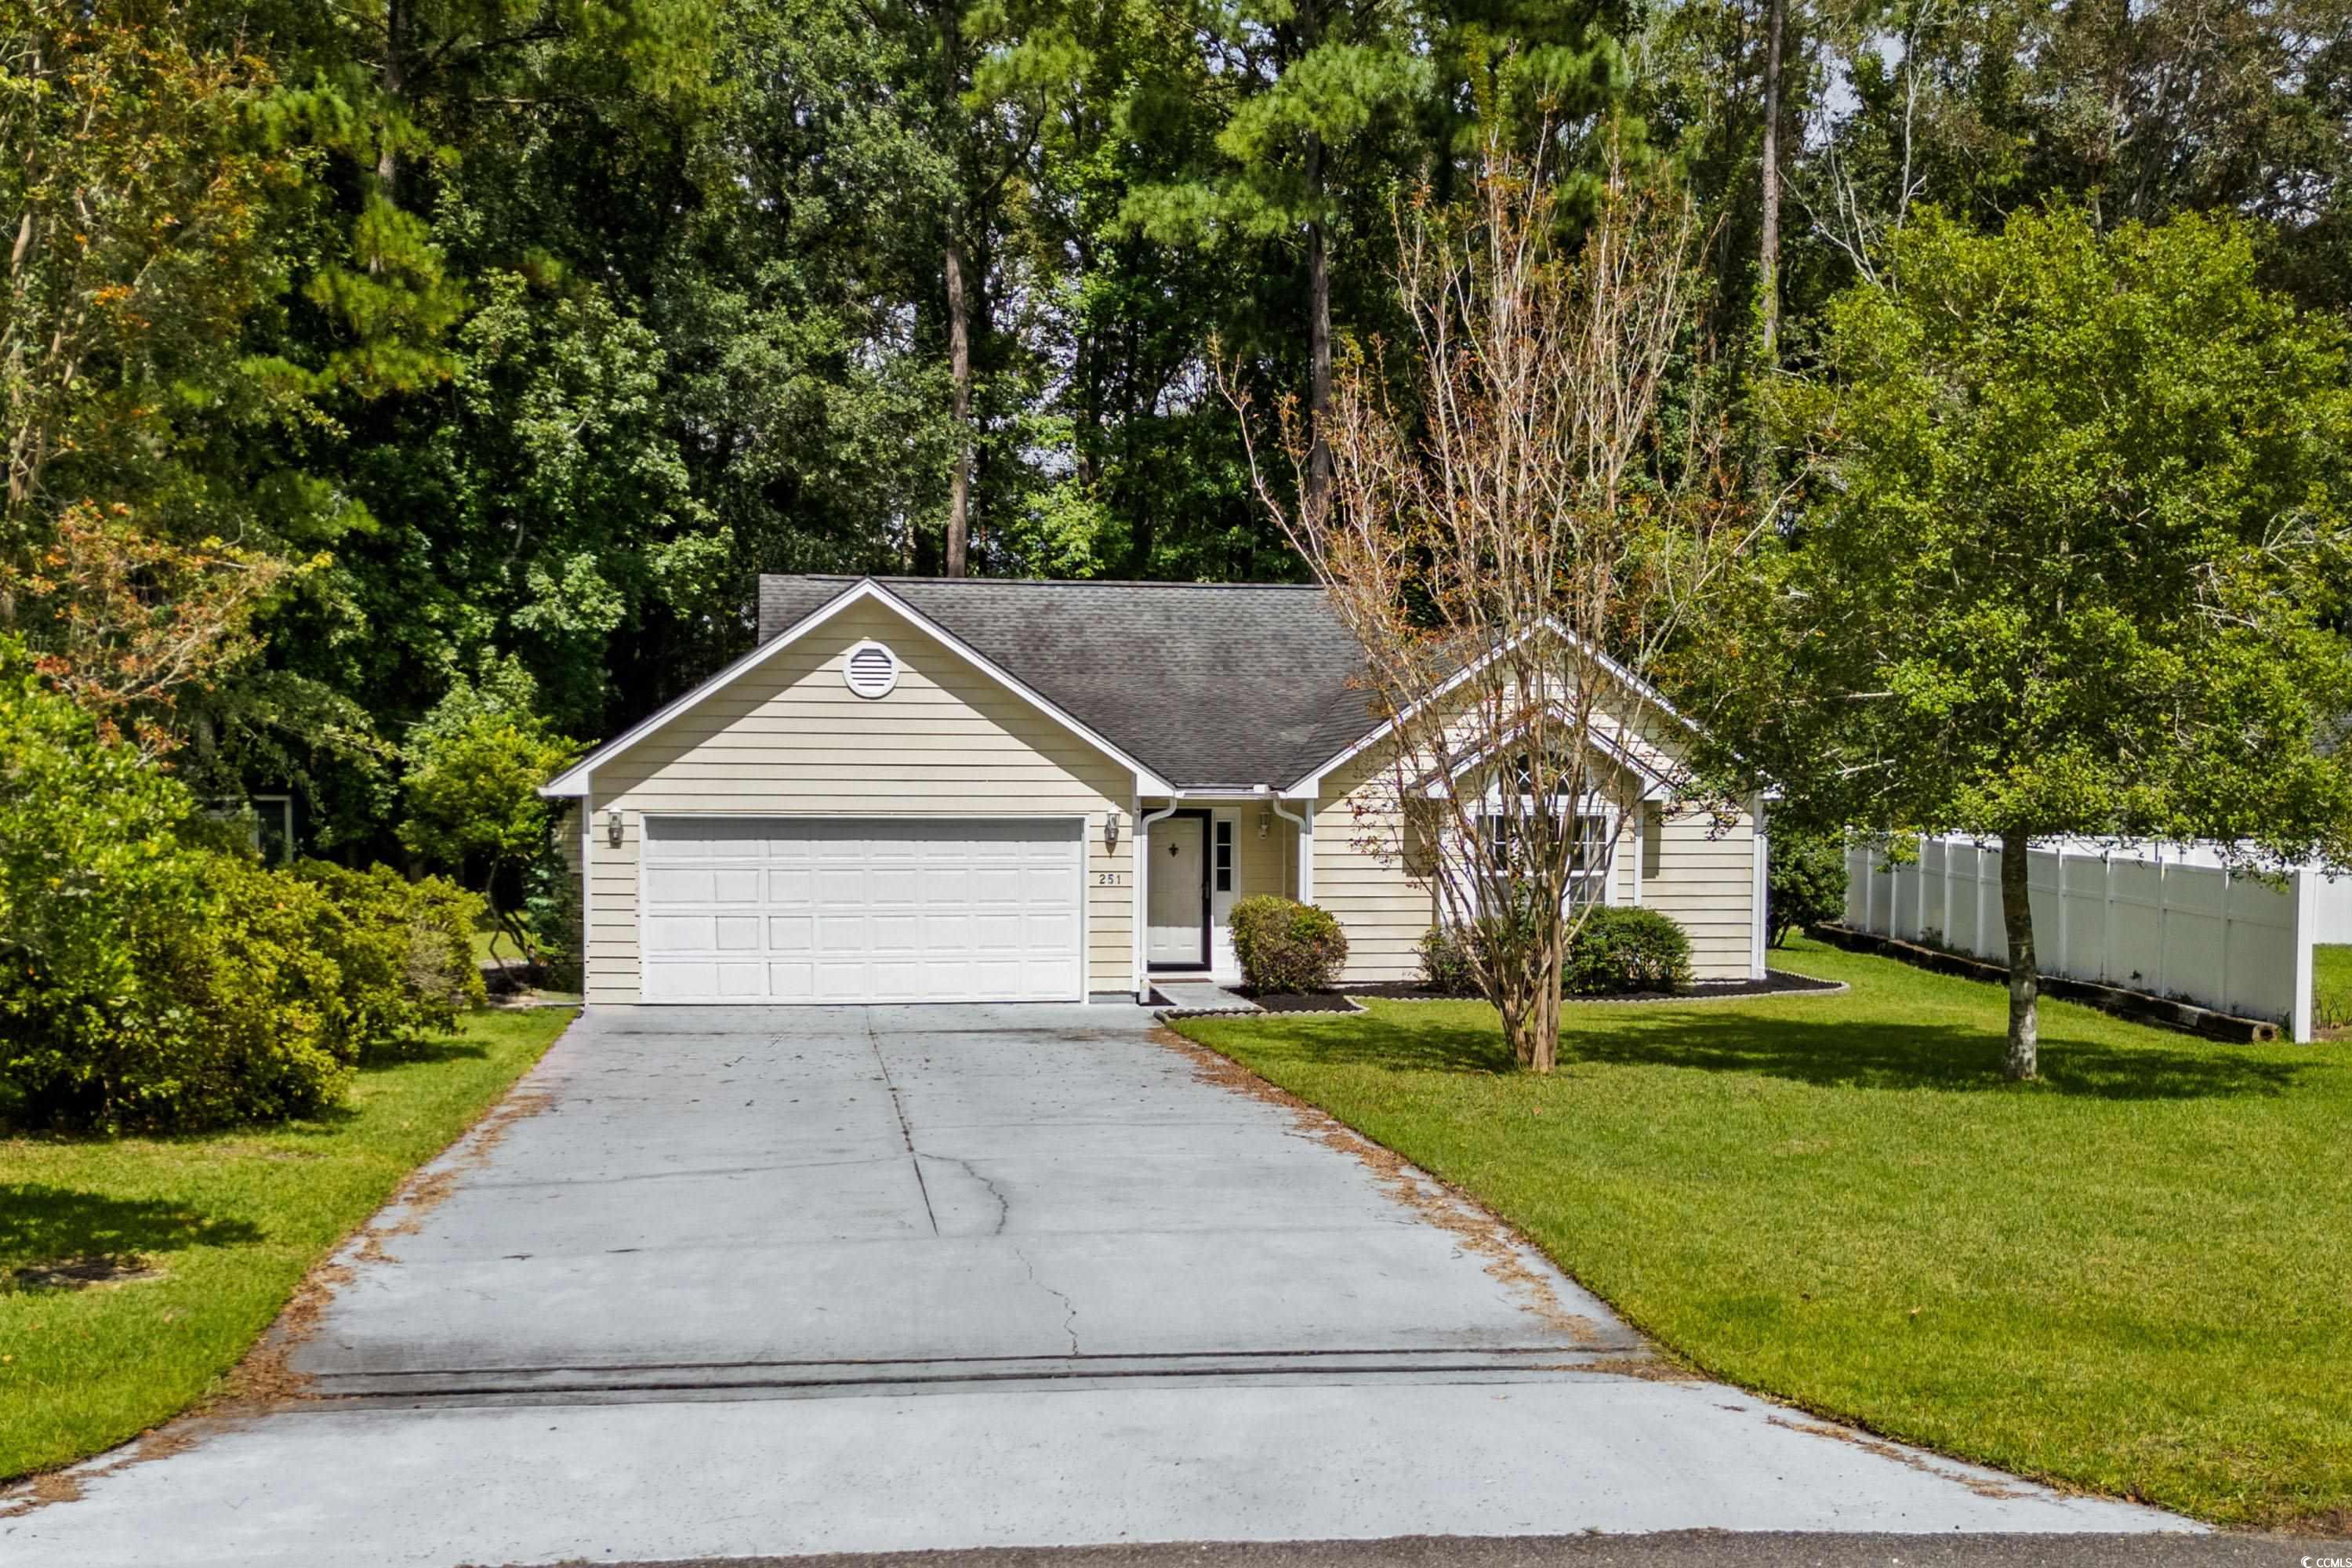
(1592, 807)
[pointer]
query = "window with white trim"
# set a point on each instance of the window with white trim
(1588, 865)
(1222, 860)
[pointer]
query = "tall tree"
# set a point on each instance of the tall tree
(1308, 94)
(2076, 528)
(1768, 242)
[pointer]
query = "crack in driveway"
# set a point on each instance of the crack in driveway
(1004, 1205)
(1069, 1308)
(898, 1109)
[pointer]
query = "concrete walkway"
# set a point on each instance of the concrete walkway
(771, 1281)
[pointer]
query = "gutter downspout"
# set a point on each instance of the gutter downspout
(1306, 826)
(1143, 899)
(587, 878)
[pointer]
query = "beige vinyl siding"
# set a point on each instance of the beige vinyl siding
(788, 738)
(1262, 864)
(1384, 912)
(1706, 882)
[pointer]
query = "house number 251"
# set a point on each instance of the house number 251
(1107, 879)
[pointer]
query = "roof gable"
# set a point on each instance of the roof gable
(574, 781)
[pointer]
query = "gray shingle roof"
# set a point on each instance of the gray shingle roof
(1208, 684)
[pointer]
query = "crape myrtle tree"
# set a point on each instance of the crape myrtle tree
(2069, 560)
(1520, 523)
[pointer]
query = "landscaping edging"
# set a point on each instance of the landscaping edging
(2137, 1005)
(1776, 983)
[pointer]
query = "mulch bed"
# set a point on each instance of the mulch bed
(1776, 983)
(1301, 1000)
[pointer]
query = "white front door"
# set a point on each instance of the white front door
(844, 909)
(1180, 910)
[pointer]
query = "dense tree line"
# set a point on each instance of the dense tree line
(359, 354)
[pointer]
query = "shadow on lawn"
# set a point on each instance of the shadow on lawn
(1824, 1051)
(422, 1052)
(40, 1222)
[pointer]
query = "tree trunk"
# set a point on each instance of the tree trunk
(395, 82)
(1767, 256)
(1543, 1047)
(1318, 336)
(959, 369)
(2024, 971)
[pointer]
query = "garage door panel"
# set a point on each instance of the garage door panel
(951, 932)
(856, 910)
(743, 982)
(680, 885)
(735, 884)
(995, 885)
(840, 933)
(681, 933)
(903, 930)
(894, 884)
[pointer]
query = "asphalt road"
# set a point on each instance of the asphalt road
(1672, 1549)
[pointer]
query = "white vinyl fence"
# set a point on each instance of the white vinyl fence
(2167, 920)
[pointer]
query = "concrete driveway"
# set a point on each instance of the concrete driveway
(787, 1280)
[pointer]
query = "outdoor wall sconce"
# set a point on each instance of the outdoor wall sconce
(1265, 819)
(1110, 830)
(612, 827)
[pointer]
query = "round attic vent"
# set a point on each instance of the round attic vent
(870, 669)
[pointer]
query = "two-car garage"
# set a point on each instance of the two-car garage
(748, 910)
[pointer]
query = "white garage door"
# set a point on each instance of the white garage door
(781, 909)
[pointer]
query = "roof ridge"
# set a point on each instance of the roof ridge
(1040, 581)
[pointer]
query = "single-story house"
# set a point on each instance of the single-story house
(975, 789)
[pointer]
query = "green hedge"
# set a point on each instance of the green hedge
(1615, 950)
(151, 978)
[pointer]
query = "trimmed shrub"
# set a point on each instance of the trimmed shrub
(1619, 950)
(1445, 962)
(1284, 945)
(404, 950)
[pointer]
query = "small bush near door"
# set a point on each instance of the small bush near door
(1284, 946)
(1617, 950)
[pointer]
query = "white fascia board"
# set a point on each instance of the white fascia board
(1609, 743)
(1308, 785)
(573, 781)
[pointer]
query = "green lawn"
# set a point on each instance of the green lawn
(2134, 1276)
(230, 1222)
(2331, 984)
